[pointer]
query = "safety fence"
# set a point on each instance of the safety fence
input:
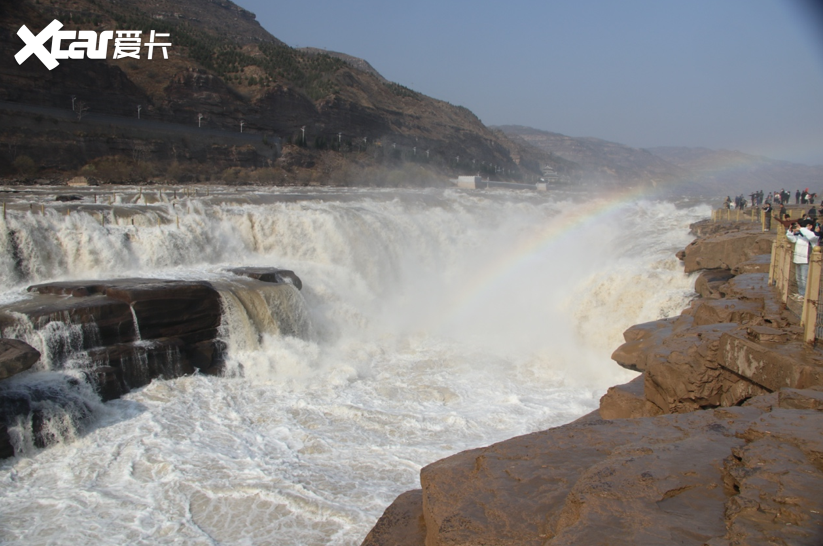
(782, 269)
(752, 214)
(782, 277)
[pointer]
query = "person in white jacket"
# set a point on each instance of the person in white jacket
(804, 239)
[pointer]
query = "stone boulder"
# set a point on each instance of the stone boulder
(16, 356)
(269, 274)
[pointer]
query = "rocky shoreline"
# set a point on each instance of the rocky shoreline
(719, 441)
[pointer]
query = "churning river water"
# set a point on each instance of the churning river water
(433, 321)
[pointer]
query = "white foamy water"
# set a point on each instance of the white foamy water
(429, 322)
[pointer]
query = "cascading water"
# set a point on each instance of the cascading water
(429, 322)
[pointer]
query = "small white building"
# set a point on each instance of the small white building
(468, 182)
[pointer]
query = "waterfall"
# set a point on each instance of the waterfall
(429, 322)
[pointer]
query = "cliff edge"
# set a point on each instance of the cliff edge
(719, 441)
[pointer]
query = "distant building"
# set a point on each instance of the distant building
(549, 175)
(468, 182)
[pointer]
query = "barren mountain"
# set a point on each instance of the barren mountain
(226, 73)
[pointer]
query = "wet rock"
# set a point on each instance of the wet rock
(43, 413)
(142, 361)
(725, 250)
(727, 311)
(6, 447)
(691, 378)
(189, 310)
(771, 365)
(800, 399)
(269, 274)
(109, 320)
(767, 334)
(644, 345)
(744, 475)
(758, 264)
(108, 382)
(162, 308)
(16, 356)
(208, 356)
(628, 481)
(774, 481)
(709, 284)
(627, 401)
(402, 524)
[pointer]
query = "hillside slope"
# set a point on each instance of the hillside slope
(739, 173)
(225, 72)
(599, 161)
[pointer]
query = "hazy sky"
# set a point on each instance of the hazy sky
(735, 74)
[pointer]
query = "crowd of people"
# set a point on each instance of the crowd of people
(804, 231)
(782, 197)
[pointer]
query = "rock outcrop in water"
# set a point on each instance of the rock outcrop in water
(117, 334)
(718, 442)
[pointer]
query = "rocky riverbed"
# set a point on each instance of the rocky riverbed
(719, 441)
(115, 335)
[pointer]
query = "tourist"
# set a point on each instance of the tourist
(804, 239)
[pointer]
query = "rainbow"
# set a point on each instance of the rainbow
(504, 269)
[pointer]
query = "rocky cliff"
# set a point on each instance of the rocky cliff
(717, 442)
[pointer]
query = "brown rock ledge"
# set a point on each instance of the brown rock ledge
(718, 442)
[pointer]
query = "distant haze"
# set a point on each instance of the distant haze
(741, 75)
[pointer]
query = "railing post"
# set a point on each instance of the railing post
(786, 269)
(810, 302)
(773, 263)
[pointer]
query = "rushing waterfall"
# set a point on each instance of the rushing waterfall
(429, 321)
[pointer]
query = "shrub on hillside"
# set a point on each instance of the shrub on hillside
(25, 165)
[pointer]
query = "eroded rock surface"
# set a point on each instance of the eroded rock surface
(742, 475)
